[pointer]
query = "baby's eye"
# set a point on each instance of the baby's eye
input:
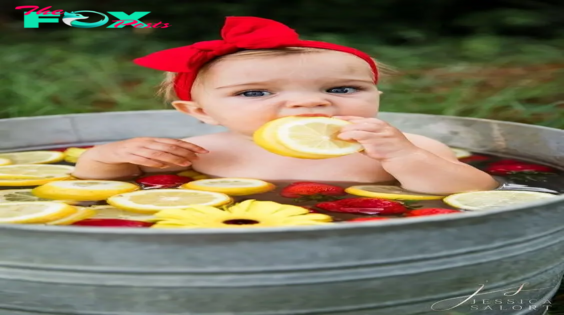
(254, 93)
(343, 89)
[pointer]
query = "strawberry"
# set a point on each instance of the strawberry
(163, 181)
(429, 211)
(509, 168)
(113, 223)
(474, 158)
(367, 219)
(311, 190)
(364, 205)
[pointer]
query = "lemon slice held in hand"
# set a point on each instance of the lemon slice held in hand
(231, 186)
(151, 201)
(34, 157)
(83, 190)
(306, 137)
(491, 199)
(81, 213)
(34, 212)
(388, 192)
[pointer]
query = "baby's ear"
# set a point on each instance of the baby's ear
(193, 109)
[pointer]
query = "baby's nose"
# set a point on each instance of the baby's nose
(308, 102)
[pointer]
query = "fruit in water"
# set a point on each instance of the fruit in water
(364, 205)
(163, 181)
(113, 223)
(505, 168)
(305, 189)
(429, 211)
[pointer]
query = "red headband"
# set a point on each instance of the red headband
(238, 33)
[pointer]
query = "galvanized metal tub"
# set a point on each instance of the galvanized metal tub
(405, 267)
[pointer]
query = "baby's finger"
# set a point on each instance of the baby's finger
(182, 144)
(143, 161)
(166, 157)
(181, 152)
(356, 135)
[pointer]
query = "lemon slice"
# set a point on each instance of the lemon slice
(388, 192)
(265, 137)
(34, 157)
(193, 174)
(4, 161)
(33, 174)
(491, 199)
(72, 154)
(34, 212)
(316, 135)
(19, 195)
(81, 213)
(460, 153)
(83, 190)
(231, 186)
(151, 201)
(110, 212)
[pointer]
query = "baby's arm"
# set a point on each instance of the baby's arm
(434, 169)
(419, 163)
(130, 158)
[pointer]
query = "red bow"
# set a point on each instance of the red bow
(238, 33)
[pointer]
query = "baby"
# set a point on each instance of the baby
(262, 71)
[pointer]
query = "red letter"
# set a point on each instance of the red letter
(28, 6)
(44, 9)
(57, 12)
(165, 25)
(157, 25)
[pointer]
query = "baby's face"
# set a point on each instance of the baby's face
(244, 93)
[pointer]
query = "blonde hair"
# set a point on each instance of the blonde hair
(166, 88)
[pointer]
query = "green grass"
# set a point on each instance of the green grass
(486, 77)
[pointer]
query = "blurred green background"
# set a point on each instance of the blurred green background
(490, 59)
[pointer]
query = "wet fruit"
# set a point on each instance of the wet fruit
(163, 181)
(388, 192)
(364, 205)
(33, 157)
(231, 186)
(113, 223)
(491, 199)
(34, 211)
(311, 190)
(505, 168)
(83, 190)
(367, 219)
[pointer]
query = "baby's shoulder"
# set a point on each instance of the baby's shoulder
(431, 145)
(212, 139)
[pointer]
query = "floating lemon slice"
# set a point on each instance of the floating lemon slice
(110, 212)
(81, 213)
(388, 192)
(491, 199)
(461, 153)
(193, 174)
(19, 195)
(83, 190)
(34, 212)
(306, 137)
(4, 161)
(34, 157)
(265, 137)
(231, 186)
(151, 201)
(33, 174)
(72, 154)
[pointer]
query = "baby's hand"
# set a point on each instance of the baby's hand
(150, 152)
(380, 140)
